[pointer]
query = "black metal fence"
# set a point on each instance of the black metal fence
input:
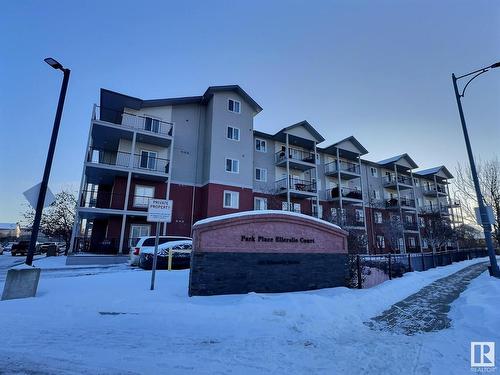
(370, 270)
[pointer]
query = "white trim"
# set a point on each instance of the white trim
(262, 199)
(233, 127)
(265, 174)
(142, 196)
(234, 195)
(232, 160)
(260, 140)
(235, 101)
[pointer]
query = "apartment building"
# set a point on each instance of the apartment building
(204, 154)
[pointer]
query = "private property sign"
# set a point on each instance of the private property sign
(160, 210)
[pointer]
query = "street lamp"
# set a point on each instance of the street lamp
(494, 271)
(50, 155)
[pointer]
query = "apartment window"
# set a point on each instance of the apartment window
(419, 202)
(373, 172)
(381, 241)
(261, 174)
(411, 242)
(315, 210)
(148, 159)
(260, 145)
(260, 203)
(376, 194)
(378, 217)
(233, 133)
(360, 215)
(233, 106)
(422, 221)
(142, 195)
(151, 124)
(232, 166)
(294, 207)
(401, 243)
(409, 219)
(138, 230)
(231, 199)
(416, 181)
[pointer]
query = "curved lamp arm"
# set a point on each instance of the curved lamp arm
(470, 80)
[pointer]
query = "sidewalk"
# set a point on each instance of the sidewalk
(427, 310)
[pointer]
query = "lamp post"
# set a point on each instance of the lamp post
(50, 155)
(494, 271)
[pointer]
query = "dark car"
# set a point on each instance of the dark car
(21, 248)
(181, 256)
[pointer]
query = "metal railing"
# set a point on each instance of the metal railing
(429, 209)
(403, 202)
(107, 199)
(294, 154)
(407, 225)
(391, 180)
(107, 245)
(145, 123)
(122, 159)
(345, 192)
(343, 166)
(433, 189)
(370, 270)
(296, 184)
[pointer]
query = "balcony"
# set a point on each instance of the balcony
(297, 159)
(144, 163)
(143, 123)
(434, 209)
(433, 190)
(102, 199)
(391, 182)
(404, 202)
(346, 169)
(298, 188)
(345, 194)
(410, 226)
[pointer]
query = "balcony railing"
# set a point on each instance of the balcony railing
(102, 199)
(434, 188)
(391, 180)
(143, 162)
(345, 193)
(413, 226)
(295, 155)
(403, 202)
(136, 122)
(428, 209)
(296, 184)
(343, 166)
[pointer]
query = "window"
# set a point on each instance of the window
(401, 243)
(376, 194)
(148, 159)
(373, 172)
(260, 203)
(416, 182)
(142, 195)
(360, 215)
(381, 241)
(260, 145)
(233, 133)
(315, 211)
(422, 221)
(231, 199)
(294, 207)
(409, 219)
(261, 174)
(151, 124)
(232, 166)
(233, 106)
(137, 231)
(378, 217)
(411, 242)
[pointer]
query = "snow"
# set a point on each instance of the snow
(111, 323)
(263, 212)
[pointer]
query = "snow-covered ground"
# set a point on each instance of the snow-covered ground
(111, 323)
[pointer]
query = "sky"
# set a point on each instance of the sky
(378, 70)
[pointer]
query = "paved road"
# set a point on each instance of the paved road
(427, 310)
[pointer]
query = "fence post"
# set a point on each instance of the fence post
(409, 263)
(170, 259)
(358, 266)
(390, 268)
(423, 262)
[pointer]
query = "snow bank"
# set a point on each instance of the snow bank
(112, 323)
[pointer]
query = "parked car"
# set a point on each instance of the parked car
(180, 259)
(21, 248)
(8, 246)
(148, 243)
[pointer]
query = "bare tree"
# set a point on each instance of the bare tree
(393, 231)
(57, 219)
(489, 180)
(467, 236)
(437, 231)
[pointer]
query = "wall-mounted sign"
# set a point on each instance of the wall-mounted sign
(160, 210)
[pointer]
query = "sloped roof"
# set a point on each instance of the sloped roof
(352, 139)
(309, 127)
(435, 170)
(396, 158)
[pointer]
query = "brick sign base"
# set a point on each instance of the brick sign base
(266, 251)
